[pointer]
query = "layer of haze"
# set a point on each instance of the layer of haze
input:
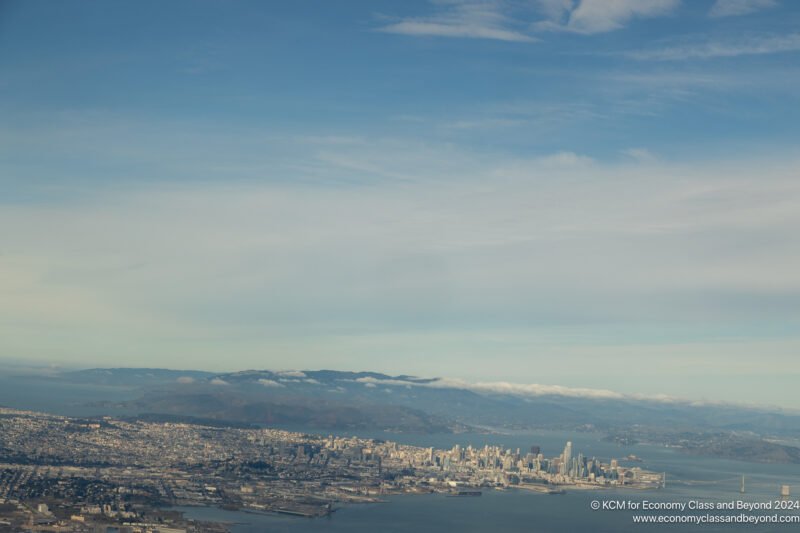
(538, 192)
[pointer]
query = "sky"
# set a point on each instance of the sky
(596, 194)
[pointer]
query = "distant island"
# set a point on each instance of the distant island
(740, 446)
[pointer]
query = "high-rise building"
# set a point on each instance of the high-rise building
(567, 455)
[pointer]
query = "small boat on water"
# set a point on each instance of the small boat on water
(461, 493)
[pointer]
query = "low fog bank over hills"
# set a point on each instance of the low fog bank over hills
(331, 399)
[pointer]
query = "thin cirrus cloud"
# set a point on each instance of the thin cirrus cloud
(770, 44)
(432, 262)
(456, 29)
(501, 21)
(735, 8)
(382, 258)
(600, 16)
(470, 19)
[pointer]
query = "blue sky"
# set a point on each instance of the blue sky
(583, 193)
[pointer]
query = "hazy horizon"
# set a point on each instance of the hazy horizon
(531, 192)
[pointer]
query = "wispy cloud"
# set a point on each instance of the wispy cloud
(555, 9)
(481, 19)
(507, 21)
(641, 155)
(733, 8)
(600, 16)
(770, 44)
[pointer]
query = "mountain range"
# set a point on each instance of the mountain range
(371, 400)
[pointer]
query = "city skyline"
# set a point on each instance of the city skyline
(277, 471)
(547, 192)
